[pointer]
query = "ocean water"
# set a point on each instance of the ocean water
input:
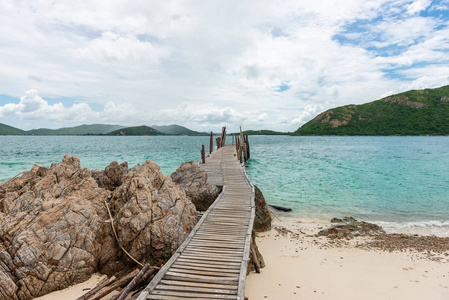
(401, 183)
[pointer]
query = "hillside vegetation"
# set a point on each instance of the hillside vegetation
(265, 132)
(176, 130)
(77, 130)
(138, 130)
(415, 112)
(9, 130)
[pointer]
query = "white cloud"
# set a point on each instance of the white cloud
(418, 6)
(206, 63)
(307, 114)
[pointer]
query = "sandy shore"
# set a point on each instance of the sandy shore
(302, 266)
(77, 290)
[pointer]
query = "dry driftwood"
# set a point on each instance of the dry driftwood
(121, 282)
(133, 282)
(141, 283)
(97, 288)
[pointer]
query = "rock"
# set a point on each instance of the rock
(348, 227)
(111, 177)
(54, 229)
(404, 101)
(194, 182)
(262, 220)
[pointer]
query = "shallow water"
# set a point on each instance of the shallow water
(401, 182)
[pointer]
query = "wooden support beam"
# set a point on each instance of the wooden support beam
(211, 145)
(255, 260)
(203, 155)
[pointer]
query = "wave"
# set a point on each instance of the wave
(438, 228)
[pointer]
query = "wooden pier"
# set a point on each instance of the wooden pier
(212, 262)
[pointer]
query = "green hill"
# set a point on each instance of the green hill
(77, 130)
(415, 112)
(176, 130)
(138, 130)
(9, 130)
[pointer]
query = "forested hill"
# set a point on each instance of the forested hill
(9, 130)
(415, 112)
(137, 130)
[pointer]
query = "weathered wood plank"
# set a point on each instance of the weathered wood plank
(196, 289)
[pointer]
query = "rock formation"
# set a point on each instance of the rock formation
(55, 229)
(262, 220)
(194, 182)
(349, 227)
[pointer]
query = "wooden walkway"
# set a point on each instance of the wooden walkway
(212, 261)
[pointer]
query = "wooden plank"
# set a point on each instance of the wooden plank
(203, 268)
(199, 284)
(185, 259)
(211, 258)
(209, 251)
(197, 289)
(193, 294)
(201, 278)
(201, 272)
(207, 265)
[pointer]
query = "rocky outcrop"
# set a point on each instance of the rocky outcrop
(111, 177)
(55, 229)
(334, 121)
(404, 101)
(194, 182)
(262, 220)
(349, 227)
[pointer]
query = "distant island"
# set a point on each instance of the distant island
(138, 130)
(265, 132)
(415, 112)
(102, 129)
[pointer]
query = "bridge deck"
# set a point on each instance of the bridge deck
(212, 261)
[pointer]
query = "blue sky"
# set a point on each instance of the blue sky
(205, 64)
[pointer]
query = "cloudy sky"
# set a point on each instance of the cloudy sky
(204, 64)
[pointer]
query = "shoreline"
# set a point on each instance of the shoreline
(300, 265)
(422, 228)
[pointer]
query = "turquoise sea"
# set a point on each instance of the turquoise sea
(400, 182)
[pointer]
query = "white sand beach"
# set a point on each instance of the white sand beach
(301, 266)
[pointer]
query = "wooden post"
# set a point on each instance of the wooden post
(247, 147)
(255, 260)
(211, 145)
(203, 155)
(232, 139)
(240, 151)
(223, 137)
(218, 143)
